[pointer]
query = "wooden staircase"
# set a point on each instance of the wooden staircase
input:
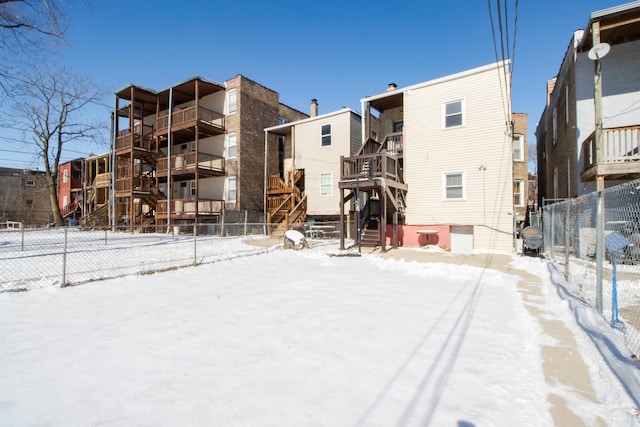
(286, 203)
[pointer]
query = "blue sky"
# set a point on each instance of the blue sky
(335, 51)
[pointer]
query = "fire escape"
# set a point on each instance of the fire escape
(286, 200)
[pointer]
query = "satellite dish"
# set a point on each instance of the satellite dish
(599, 51)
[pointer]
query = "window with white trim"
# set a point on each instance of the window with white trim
(231, 101)
(65, 176)
(65, 201)
(192, 187)
(518, 148)
(231, 145)
(30, 183)
(453, 186)
(325, 133)
(453, 114)
(230, 197)
(518, 193)
(325, 184)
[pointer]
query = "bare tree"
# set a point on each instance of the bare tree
(27, 28)
(48, 109)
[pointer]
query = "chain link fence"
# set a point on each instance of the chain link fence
(595, 241)
(41, 257)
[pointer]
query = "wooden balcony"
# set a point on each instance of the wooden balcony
(621, 154)
(140, 139)
(186, 208)
(368, 167)
(102, 180)
(209, 122)
(189, 163)
(135, 185)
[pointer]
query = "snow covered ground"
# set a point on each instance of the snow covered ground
(300, 338)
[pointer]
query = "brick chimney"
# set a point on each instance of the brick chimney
(392, 86)
(314, 107)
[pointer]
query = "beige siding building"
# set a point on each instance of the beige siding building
(312, 148)
(445, 150)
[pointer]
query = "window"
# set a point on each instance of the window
(453, 114)
(518, 193)
(65, 176)
(30, 183)
(65, 201)
(326, 135)
(231, 145)
(231, 101)
(554, 127)
(29, 202)
(325, 184)
(231, 190)
(192, 185)
(518, 148)
(453, 186)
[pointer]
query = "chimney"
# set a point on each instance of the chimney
(314, 107)
(392, 86)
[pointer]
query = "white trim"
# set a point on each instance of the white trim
(227, 101)
(450, 77)
(444, 113)
(330, 183)
(463, 185)
(227, 185)
(519, 139)
(323, 135)
(227, 140)
(519, 185)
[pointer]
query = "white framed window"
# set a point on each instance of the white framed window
(325, 184)
(230, 145)
(554, 127)
(231, 190)
(325, 133)
(192, 187)
(65, 176)
(518, 193)
(518, 148)
(453, 114)
(65, 201)
(453, 186)
(30, 183)
(232, 104)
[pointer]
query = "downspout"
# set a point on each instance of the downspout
(365, 118)
(112, 192)
(266, 163)
(169, 160)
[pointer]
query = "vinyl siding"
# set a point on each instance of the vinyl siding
(430, 151)
(316, 159)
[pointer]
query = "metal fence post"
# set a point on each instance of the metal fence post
(599, 249)
(195, 245)
(64, 259)
(567, 239)
(246, 215)
(22, 231)
(552, 231)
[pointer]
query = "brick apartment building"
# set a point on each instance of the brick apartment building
(194, 151)
(24, 197)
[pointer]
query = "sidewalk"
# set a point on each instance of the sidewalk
(563, 365)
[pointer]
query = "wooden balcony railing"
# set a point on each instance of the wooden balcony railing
(619, 145)
(182, 207)
(186, 163)
(139, 184)
(393, 143)
(188, 114)
(128, 141)
(369, 166)
(102, 180)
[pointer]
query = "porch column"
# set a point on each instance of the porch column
(341, 217)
